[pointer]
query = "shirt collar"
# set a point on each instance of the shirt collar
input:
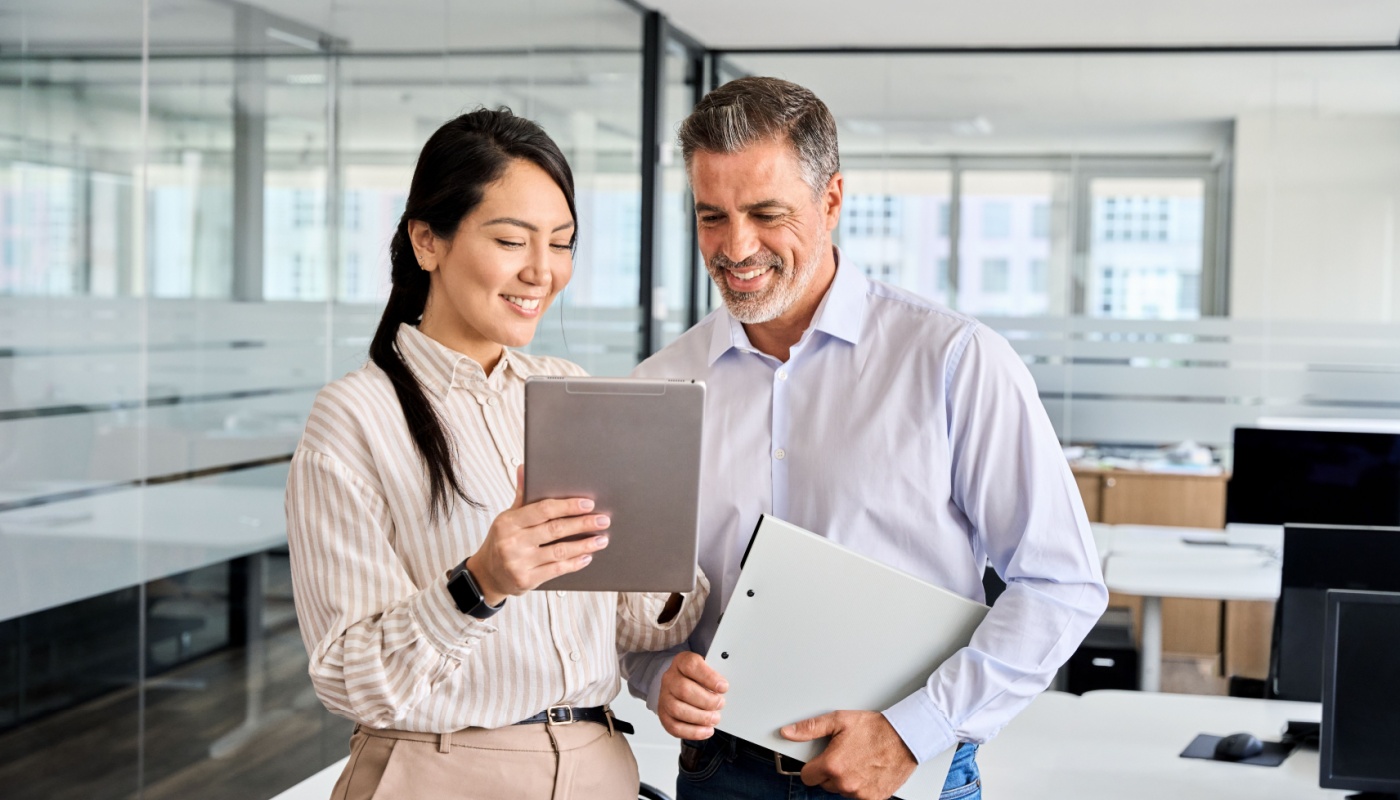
(840, 314)
(439, 367)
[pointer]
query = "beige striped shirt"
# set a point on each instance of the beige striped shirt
(387, 644)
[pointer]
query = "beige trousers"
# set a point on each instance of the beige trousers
(580, 761)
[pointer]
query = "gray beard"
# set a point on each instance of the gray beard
(755, 308)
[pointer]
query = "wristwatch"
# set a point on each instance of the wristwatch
(468, 595)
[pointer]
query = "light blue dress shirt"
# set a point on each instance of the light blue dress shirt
(915, 436)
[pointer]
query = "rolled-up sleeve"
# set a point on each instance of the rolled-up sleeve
(638, 628)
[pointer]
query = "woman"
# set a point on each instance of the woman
(413, 556)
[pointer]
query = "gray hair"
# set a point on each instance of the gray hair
(747, 111)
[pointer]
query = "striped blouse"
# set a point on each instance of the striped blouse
(387, 644)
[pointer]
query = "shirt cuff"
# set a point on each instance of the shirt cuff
(925, 730)
(445, 626)
(657, 668)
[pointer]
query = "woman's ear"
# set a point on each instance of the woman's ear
(425, 244)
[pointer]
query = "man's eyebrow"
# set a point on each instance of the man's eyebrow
(520, 223)
(770, 203)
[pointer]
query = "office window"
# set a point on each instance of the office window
(1155, 229)
(1039, 282)
(1040, 221)
(996, 220)
(996, 276)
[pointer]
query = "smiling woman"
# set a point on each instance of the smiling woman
(497, 275)
(414, 461)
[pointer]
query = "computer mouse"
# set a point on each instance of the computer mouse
(1238, 746)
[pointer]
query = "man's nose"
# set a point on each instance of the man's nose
(741, 242)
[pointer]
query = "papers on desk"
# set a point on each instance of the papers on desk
(813, 627)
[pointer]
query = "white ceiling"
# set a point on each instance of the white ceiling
(1022, 23)
(1063, 103)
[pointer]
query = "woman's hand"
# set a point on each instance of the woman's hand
(522, 549)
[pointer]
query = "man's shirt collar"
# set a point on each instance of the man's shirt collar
(840, 314)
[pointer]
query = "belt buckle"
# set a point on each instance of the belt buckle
(550, 719)
(778, 764)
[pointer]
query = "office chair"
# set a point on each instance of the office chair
(649, 792)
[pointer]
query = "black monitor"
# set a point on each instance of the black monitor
(1322, 477)
(1317, 558)
(1361, 699)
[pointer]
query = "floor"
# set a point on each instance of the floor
(97, 750)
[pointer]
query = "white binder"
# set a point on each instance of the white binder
(813, 627)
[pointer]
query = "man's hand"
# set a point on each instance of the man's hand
(865, 759)
(692, 694)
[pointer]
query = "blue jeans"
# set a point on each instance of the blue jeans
(720, 770)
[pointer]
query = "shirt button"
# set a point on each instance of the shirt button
(490, 401)
(574, 656)
(515, 462)
(782, 374)
(558, 594)
(780, 454)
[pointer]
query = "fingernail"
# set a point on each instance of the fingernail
(602, 521)
(600, 542)
(724, 686)
(586, 504)
(586, 559)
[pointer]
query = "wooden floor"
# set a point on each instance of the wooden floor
(108, 749)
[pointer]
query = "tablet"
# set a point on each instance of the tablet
(632, 445)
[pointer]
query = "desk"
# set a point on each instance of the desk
(1111, 745)
(1158, 562)
(69, 550)
(1102, 746)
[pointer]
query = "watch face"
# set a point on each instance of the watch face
(464, 591)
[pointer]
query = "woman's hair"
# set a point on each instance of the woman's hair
(457, 164)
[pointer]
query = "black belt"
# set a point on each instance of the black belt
(566, 715)
(785, 765)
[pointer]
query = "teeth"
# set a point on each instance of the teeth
(527, 303)
(753, 273)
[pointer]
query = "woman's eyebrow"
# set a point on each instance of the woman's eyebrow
(520, 223)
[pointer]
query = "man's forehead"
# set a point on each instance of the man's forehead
(755, 173)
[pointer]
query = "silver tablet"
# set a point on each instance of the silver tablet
(633, 446)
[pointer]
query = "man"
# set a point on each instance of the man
(888, 423)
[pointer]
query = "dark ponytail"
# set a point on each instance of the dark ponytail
(458, 162)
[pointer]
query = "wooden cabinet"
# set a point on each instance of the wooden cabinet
(1123, 497)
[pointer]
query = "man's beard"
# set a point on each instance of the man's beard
(786, 286)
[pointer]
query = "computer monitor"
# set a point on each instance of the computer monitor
(1317, 558)
(1325, 477)
(1360, 740)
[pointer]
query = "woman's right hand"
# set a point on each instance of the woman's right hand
(522, 549)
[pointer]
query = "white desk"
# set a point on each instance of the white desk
(1102, 746)
(1156, 562)
(1112, 745)
(69, 550)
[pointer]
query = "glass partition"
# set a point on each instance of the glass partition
(195, 210)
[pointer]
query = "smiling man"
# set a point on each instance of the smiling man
(879, 419)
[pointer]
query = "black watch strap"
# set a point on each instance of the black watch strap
(467, 594)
